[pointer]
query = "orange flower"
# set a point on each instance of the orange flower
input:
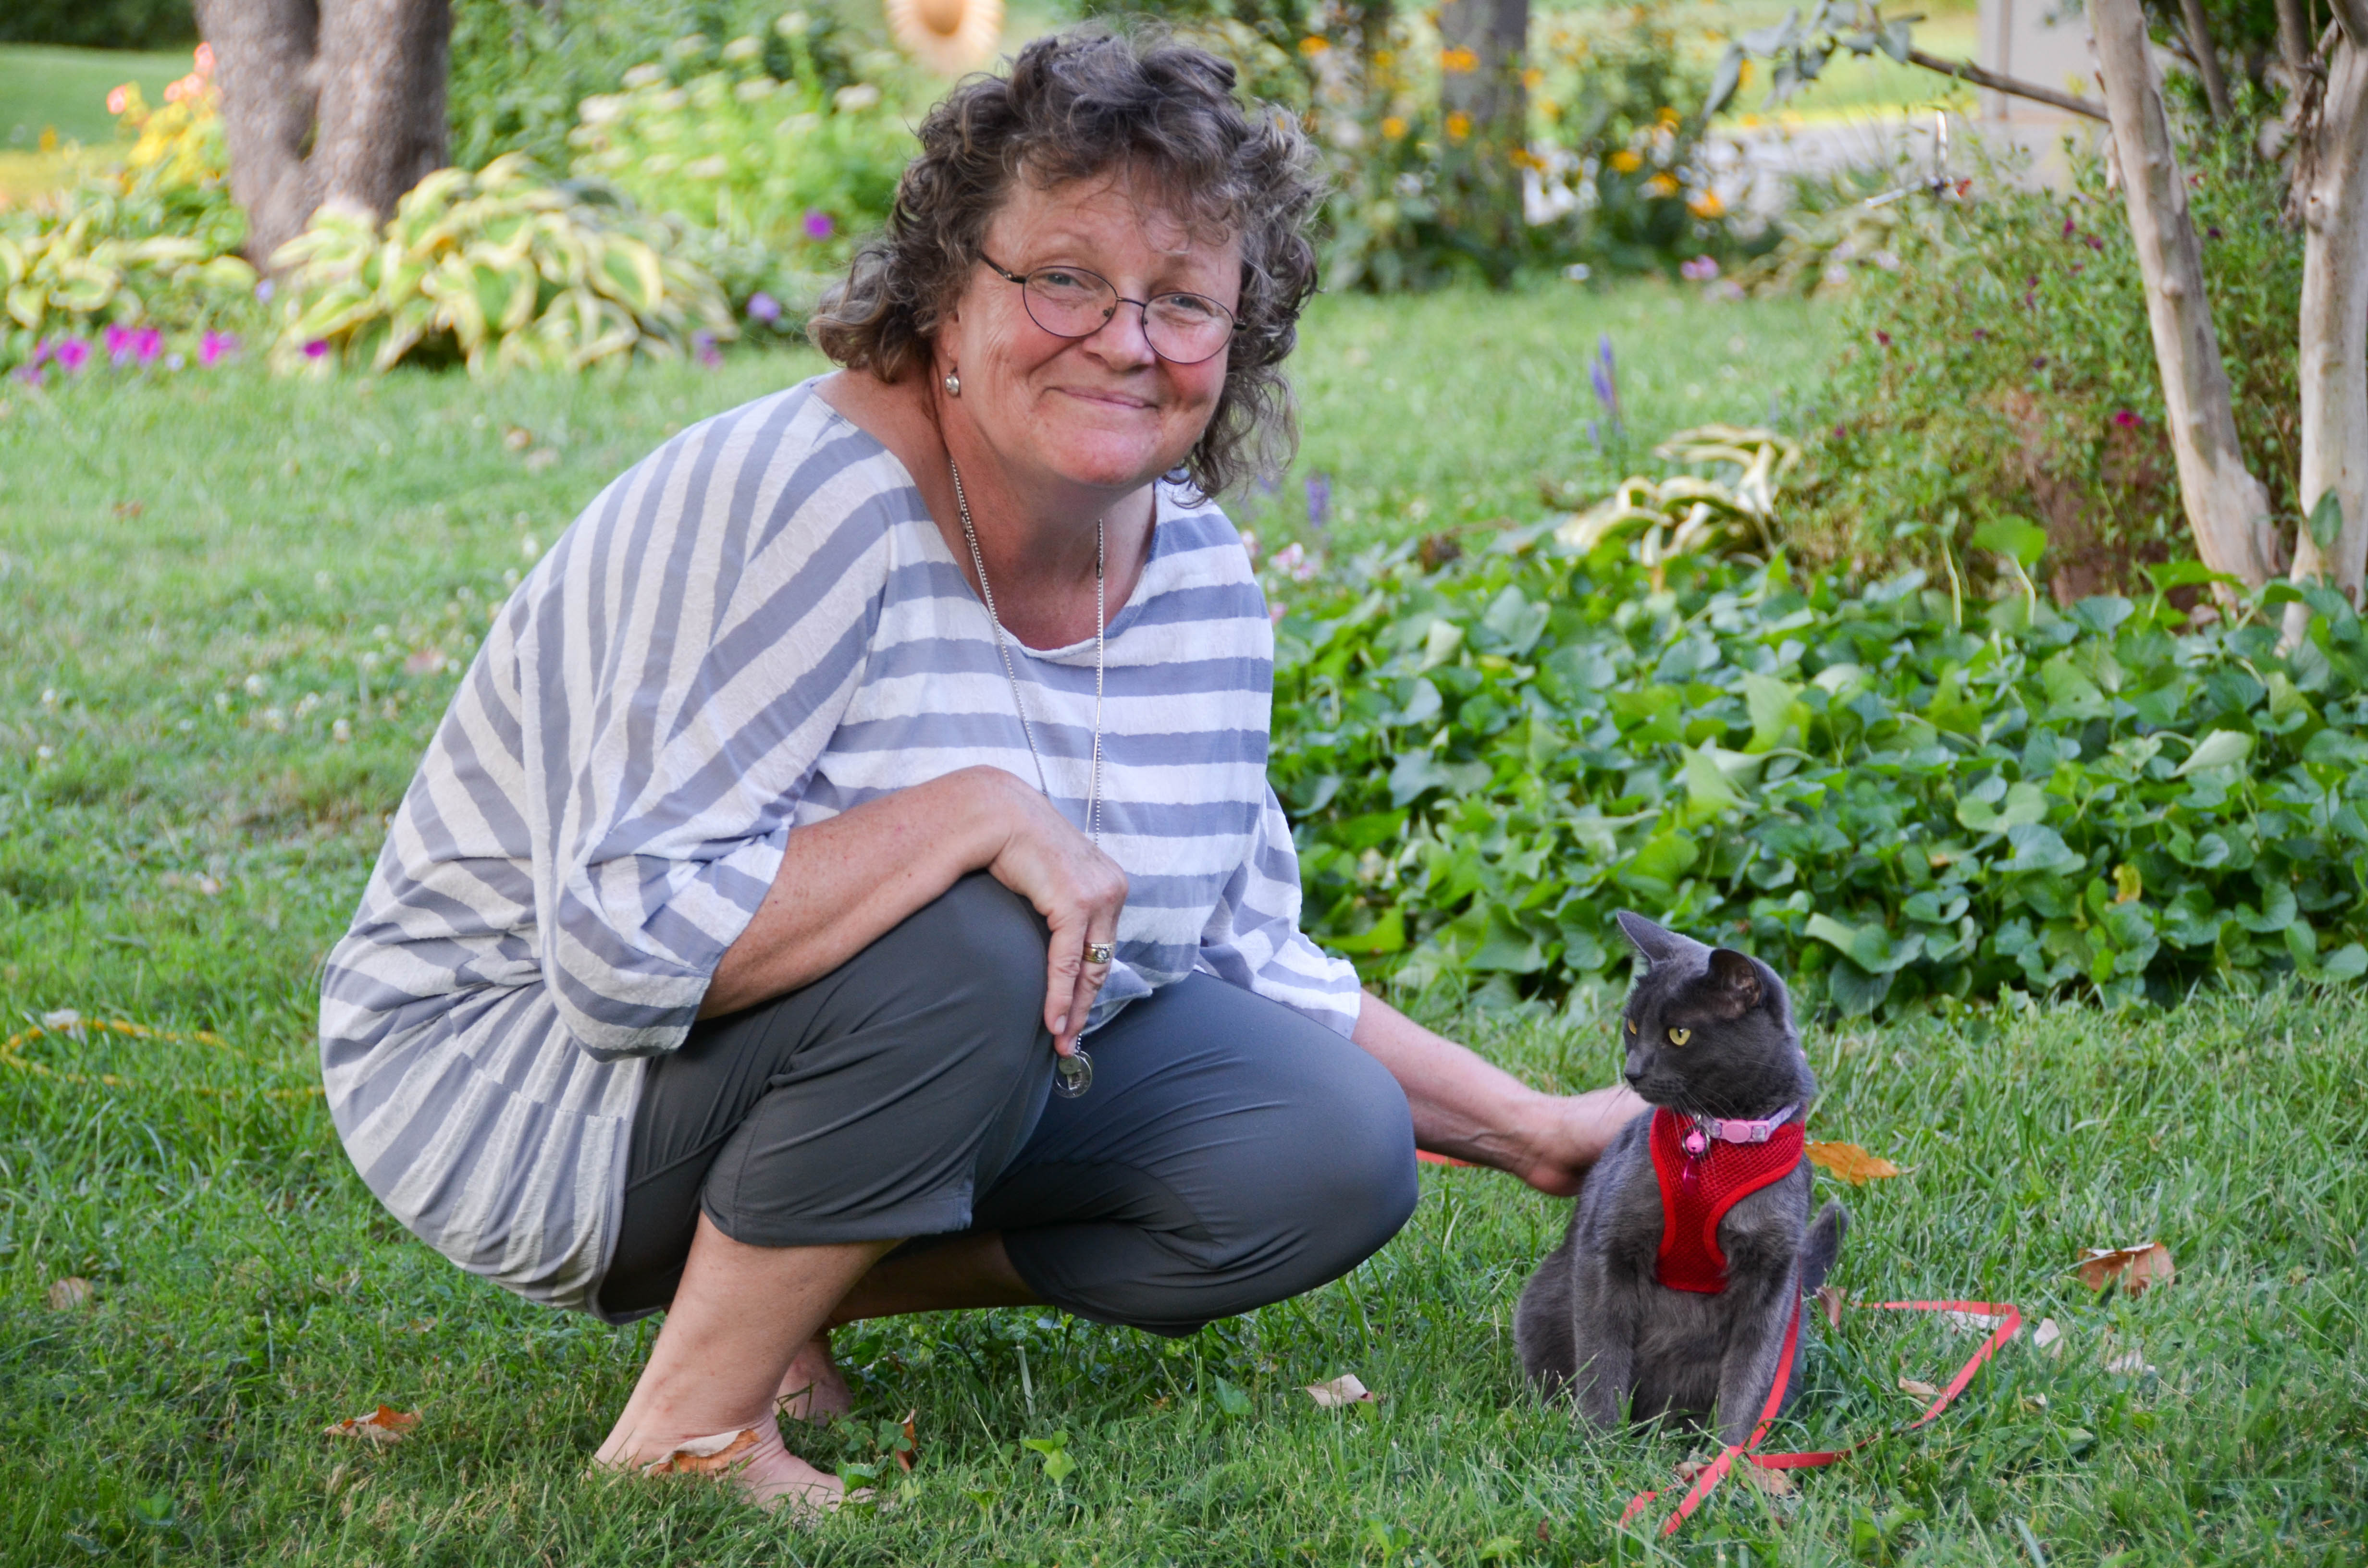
(1660, 185)
(1626, 161)
(205, 60)
(1533, 79)
(1393, 128)
(1705, 204)
(1459, 125)
(119, 99)
(1456, 62)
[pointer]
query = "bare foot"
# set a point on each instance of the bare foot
(752, 1460)
(812, 1390)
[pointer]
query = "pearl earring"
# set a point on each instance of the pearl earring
(954, 384)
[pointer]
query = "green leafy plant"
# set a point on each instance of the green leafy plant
(500, 269)
(1898, 797)
(1055, 1451)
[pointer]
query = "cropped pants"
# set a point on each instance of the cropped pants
(1230, 1153)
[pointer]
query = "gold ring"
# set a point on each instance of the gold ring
(1097, 952)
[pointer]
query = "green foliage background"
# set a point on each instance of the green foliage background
(100, 24)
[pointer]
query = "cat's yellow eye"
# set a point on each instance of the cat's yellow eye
(1631, 1025)
(1680, 1037)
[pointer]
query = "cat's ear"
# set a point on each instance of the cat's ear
(1735, 985)
(1657, 944)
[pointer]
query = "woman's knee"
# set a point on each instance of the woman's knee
(1355, 1176)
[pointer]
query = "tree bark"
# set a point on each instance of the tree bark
(1967, 71)
(2207, 60)
(328, 101)
(2226, 504)
(2334, 331)
(1484, 120)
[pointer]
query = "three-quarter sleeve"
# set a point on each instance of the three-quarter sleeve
(1253, 939)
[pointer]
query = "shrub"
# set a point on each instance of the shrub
(2005, 367)
(1898, 798)
(501, 269)
(100, 24)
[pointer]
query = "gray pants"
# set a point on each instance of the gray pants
(1230, 1153)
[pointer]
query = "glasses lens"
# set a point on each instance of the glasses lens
(1187, 328)
(1069, 303)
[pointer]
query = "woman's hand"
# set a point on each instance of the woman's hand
(1076, 888)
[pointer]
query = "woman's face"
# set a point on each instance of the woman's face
(1102, 412)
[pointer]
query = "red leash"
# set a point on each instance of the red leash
(2009, 1319)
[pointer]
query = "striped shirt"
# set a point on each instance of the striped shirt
(756, 628)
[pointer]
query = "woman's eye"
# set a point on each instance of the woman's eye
(1187, 308)
(1680, 1037)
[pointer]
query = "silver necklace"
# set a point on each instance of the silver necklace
(1072, 1076)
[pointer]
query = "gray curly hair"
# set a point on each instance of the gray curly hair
(1080, 103)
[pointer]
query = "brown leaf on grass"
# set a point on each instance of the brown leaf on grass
(70, 1292)
(2047, 1337)
(2137, 1266)
(912, 1448)
(1849, 1162)
(1832, 1301)
(1545, 1531)
(2133, 1363)
(382, 1427)
(1920, 1390)
(1343, 1390)
(705, 1456)
(1690, 1471)
(1771, 1482)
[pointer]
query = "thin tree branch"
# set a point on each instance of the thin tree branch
(1967, 71)
(2207, 62)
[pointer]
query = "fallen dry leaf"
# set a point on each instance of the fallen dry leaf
(1920, 1390)
(1690, 1471)
(2137, 1266)
(704, 1456)
(2135, 1363)
(384, 1425)
(1833, 1301)
(1772, 1482)
(1545, 1531)
(905, 1455)
(2047, 1337)
(1977, 1323)
(70, 1292)
(1849, 1162)
(1343, 1390)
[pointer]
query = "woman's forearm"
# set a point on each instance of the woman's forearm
(846, 882)
(1469, 1108)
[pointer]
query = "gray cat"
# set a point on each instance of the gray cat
(1633, 1321)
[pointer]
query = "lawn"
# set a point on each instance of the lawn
(232, 610)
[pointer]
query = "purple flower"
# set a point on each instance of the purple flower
(263, 291)
(32, 372)
(71, 354)
(119, 345)
(1980, 334)
(709, 355)
(215, 347)
(316, 349)
(763, 309)
(2069, 228)
(819, 225)
(1883, 337)
(2125, 419)
(147, 344)
(2213, 232)
(1700, 269)
(1604, 376)
(1595, 434)
(1319, 501)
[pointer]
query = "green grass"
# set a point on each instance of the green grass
(200, 581)
(43, 87)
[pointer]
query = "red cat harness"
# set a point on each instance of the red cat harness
(1706, 1166)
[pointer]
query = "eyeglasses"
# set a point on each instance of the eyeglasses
(1069, 302)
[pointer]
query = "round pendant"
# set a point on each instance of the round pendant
(1072, 1075)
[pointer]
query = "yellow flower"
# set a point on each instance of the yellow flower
(1660, 185)
(1667, 117)
(1455, 61)
(1314, 46)
(1383, 59)
(1705, 204)
(1459, 125)
(1550, 109)
(1533, 79)
(1393, 128)
(1626, 161)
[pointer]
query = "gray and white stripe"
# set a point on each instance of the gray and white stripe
(753, 629)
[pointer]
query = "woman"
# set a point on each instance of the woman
(870, 751)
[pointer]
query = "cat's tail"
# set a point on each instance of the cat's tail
(1822, 1245)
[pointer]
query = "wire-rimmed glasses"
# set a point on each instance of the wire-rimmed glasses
(1069, 302)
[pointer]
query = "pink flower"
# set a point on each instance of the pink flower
(118, 346)
(1883, 337)
(215, 347)
(119, 99)
(2125, 419)
(819, 225)
(709, 355)
(147, 344)
(205, 60)
(1700, 269)
(71, 354)
(316, 349)
(1291, 561)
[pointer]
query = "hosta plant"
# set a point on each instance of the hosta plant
(501, 269)
(1898, 797)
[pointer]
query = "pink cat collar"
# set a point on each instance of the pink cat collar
(1734, 1130)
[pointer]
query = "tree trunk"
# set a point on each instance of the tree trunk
(1484, 124)
(2334, 337)
(2207, 60)
(2226, 504)
(328, 101)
